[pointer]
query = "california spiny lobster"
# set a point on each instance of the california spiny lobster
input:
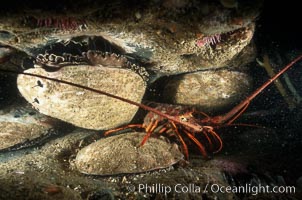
(177, 119)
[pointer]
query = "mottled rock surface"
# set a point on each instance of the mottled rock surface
(80, 107)
(49, 173)
(121, 154)
(41, 174)
(21, 125)
(165, 36)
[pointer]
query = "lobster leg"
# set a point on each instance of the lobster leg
(208, 138)
(199, 145)
(209, 129)
(123, 128)
(149, 129)
(162, 130)
(184, 146)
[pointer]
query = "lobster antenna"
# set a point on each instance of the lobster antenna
(148, 108)
(233, 114)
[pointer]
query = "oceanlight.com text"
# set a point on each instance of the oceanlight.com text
(212, 188)
(252, 189)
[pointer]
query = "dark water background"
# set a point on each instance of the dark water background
(278, 34)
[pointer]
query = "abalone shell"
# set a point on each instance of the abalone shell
(122, 154)
(81, 107)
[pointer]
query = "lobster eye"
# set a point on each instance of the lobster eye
(183, 119)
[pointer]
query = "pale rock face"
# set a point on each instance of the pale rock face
(210, 90)
(81, 107)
